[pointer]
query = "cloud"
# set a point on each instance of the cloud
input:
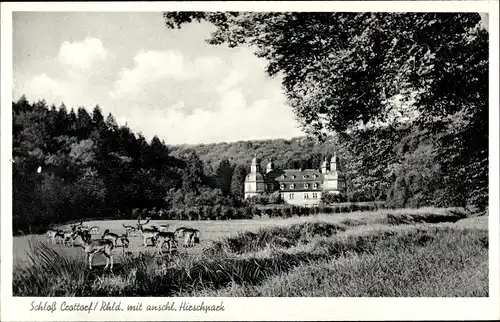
(149, 67)
(44, 87)
(180, 98)
(235, 119)
(82, 54)
(201, 99)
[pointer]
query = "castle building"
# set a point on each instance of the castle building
(302, 187)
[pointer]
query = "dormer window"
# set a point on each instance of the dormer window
(284, 176)
(282, 186)
(315, 186)
(306, 185)
(292, 186)
(293, 177)
(315, 176)
(305, 176)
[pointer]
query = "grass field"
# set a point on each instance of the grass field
(382, 253)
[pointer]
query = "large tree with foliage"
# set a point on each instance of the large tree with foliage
(344, 72)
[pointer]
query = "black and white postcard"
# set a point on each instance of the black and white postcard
(196, 161)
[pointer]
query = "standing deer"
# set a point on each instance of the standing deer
(94, 230)
(147, 233)
(51, 234)
(124, 241)
(165, 237)
(191, 236)
(59, 235)
(111, 236)
(69, 236)
(97, 246)
(129, 229)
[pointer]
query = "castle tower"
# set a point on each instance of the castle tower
(333, 162)
(270, 166)
(255, 166)
(334, 181)
(324, 167)
(254, 181)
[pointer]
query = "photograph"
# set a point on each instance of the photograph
(248, 154)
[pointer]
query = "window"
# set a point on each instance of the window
(306, 196)
(284, 176)
(315, 176)
(294, 176)
(315, 186)
(292, 186)
(282, 186)
(315, 196)
(270, 187)
(304, 176)
(290, 196)
(306, 185)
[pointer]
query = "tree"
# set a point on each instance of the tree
(223, 176)
(83, 123)
(238, 181)
(192, 175)
(346, 71)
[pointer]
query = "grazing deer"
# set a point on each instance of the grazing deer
(51, 234)
(94, 230)
(59, 235)
(165, 237)
(129, 229)
(97, 246)
(111, 236)
(77, 227)
(147, 233)
(124, 241)
(191, 236)
(69, 236)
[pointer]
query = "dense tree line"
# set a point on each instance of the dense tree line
(70, 165)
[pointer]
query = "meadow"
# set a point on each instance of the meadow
(424, 252)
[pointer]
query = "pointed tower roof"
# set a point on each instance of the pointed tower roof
(255, 160)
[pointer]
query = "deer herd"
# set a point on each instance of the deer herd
(111, 240)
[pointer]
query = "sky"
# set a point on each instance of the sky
(162, 82)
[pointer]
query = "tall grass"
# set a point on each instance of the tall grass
(274, 236)
(271, 261)
(433, 263)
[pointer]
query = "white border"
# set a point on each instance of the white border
(257, 309)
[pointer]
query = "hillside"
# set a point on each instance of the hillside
(286, 153)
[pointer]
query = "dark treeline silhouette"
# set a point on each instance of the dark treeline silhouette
(73, 165)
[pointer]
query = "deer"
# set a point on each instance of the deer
(51, 234)
(147, 233)
(77, 227)
(111, 236)
(69, 236)
(129, 229)
(124, 241)
(94, 230)
(59, 235)
(191, 236)
(165, 237)
(97, 246)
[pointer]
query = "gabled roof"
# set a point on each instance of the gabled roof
(295, 175)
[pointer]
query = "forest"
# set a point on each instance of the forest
(91, 167)
(433, 153)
